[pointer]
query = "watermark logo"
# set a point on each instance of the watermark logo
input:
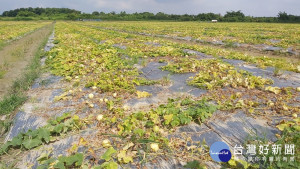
(219, 152)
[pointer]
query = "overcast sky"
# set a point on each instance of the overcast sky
(248, 7)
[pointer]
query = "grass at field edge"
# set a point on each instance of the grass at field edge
(17, 95)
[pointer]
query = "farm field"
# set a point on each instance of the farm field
(110, 95)
(12, 30)
(263, 36)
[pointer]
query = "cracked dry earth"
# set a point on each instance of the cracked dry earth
(232, 128)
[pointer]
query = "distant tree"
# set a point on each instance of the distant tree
(122, 13)
(26, 13)
(86, 16)
(174, 17)
(147, 15)
(238, 14)
(283, 16)
(39, 11)
(96, 13)
(234, 16)
(161, 16)
(72, 16)
(65, 13)
(102, 13)
(12, 13)
(186, 17)
(208, 16)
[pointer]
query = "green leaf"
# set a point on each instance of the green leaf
(31, 143)
(107, 155)
(140, 132)
(149, 124)
(46, 163)
(186, 102)
(175, 123)
(110, 105)
(76, 159)
(232, 163)
(193, 165)
(168, 118)
(281, 127)
(297, 128)
(63, 117)
(32, 133)
(124, 158)
(44, 134)
(139, 115)
(16, 141)
(127, 159)
(59, 165)
(109, 165)
(185, 120)
(5, 147)
(76, 119)
(58, 128)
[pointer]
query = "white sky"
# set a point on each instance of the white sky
(248, 7)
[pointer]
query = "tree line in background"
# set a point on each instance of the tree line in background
(71, 14)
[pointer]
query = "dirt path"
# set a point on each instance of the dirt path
(15, 57)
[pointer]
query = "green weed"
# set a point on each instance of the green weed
(11, 102)
(2, 73)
